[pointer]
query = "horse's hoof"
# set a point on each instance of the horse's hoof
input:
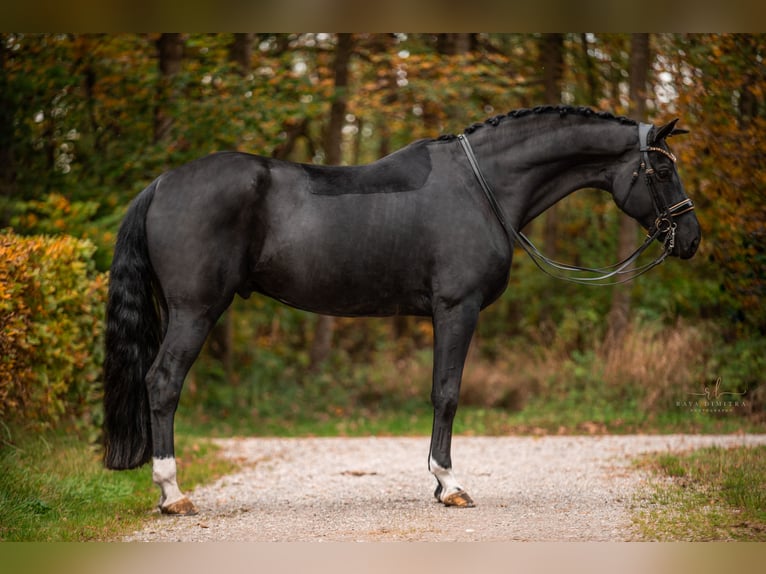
(460, 499)
(182, 507)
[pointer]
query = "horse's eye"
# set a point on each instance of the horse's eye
(663, 174)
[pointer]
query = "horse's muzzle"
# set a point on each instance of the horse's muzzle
(684, 237)
(687, 252)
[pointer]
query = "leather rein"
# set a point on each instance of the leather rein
(621, 272)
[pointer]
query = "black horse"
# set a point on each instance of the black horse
(428, 230)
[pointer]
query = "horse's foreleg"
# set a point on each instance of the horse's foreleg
(183, 341)
(453, 329)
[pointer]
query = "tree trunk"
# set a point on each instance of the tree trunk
(294, 129)
(748, 102)
(590, 71)
(322, 343)
(552, 62)
(241, 51)
(219, 342)
(452, 44)
(170, 51)
(333, 138)
(619, 313)
(7, 131)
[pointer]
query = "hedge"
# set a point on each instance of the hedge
(51, 319)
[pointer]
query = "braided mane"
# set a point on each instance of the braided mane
(560, 110)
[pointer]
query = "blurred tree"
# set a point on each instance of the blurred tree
(241, 51)
(79, 115)
(718, 84)
(455, 43)
(619, 313)
(552, 63)
(170, 51)
(7, 134)
(221, 337)
(590, 82)
(333, 139)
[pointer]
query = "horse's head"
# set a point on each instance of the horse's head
(651, 192)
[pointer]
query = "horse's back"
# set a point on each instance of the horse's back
(354, 252)
(238, 223)
(407, 169)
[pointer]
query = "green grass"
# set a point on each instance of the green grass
(54, 488)
(580, 413)
(709, 494)
(305, 424)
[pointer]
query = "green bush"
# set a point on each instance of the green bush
(51, 322)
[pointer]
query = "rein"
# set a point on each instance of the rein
(622, 271)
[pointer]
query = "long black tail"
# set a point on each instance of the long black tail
(133, 336)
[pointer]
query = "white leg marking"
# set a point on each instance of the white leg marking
(446, 478)
(164, 476)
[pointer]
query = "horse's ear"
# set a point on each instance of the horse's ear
(669, 130)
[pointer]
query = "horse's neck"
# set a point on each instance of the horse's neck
(533, 167)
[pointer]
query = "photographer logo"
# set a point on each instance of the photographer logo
(713, 400)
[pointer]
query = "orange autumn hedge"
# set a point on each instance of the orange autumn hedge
(51, 323)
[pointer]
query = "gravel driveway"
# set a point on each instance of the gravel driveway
(378, 489)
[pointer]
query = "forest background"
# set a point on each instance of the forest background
(87, 121)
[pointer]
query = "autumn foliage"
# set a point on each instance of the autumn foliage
(51, 310)
(88, 120)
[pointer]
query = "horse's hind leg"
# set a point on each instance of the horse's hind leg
(185, 335)
(453, 329)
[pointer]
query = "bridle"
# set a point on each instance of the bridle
(623, 271)
(664, 220)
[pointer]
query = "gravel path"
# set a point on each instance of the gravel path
(378, 489)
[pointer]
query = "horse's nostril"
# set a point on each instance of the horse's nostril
(692, 248)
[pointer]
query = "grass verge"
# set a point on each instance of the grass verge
(53, 488)
(577, 413)
(712, 494)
